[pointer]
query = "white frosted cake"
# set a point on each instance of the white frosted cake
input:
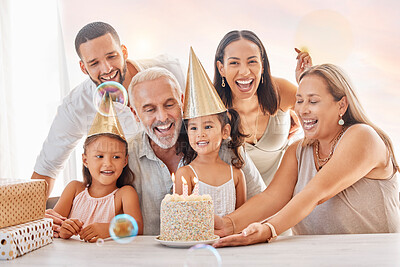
(187, 218)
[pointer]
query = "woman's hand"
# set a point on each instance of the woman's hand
(254, 233)
(94, 231)
(222, 226)
(70, 227)
(294, 124)
(304, 62)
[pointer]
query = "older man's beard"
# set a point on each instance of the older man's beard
(121, 79)
(167, 141)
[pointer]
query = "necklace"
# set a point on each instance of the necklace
(325, 160)
(255, 130)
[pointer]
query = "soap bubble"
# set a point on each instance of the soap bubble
(100, 242)
(123, 228)
(116, 92)
(202, 255)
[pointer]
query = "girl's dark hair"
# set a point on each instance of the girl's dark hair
(126, 177)
(236, 139)
(268, 96)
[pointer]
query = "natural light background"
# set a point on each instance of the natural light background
(361, 36)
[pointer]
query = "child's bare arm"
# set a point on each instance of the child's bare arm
(64, 204)
(240, 188)
(187, 173)
(131, 205)
(63, 207)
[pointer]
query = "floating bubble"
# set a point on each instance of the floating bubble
(123, 228)
(116, 92)
(202, 255)
(100, 242)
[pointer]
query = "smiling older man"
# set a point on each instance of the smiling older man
(156, 102)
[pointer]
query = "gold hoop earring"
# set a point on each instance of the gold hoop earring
(341, 121)
(223, 82)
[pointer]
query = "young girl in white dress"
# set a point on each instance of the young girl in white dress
(209, 125)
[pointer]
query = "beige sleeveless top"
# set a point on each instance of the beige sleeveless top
(368, 206)
(268, 152)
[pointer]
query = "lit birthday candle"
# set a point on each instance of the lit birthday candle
(173, 183)
(196, 186)
(184, 187)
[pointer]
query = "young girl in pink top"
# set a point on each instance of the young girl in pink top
(105, 192)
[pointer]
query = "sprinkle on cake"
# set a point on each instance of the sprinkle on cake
(187, 218)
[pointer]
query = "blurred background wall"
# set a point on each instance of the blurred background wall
(39, 65)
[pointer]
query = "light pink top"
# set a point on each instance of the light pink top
(93, 210)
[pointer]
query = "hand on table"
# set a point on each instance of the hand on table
(304, 62)
(94, 231)
(57, 221)
(254, 233)
(222, 226)
(70, 227)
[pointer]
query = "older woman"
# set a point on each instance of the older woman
(340, 179)
(244, 82)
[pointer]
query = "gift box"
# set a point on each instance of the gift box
(21, 201)
(20, 239)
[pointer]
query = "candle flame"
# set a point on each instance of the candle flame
(195, 180)
(173, 177)
(183, 180)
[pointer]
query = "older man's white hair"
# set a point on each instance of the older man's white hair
(151, 74)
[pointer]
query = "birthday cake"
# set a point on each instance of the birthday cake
(187, 218)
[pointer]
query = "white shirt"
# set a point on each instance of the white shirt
(75, 116)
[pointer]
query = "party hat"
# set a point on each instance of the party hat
(201, 98)
(109, 123)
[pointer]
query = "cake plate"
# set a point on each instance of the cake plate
(185, 244)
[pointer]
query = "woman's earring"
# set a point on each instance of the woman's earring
(341, 121)
(262, 78)
(223, 82)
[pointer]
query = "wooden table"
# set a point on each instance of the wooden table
(317, 250)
